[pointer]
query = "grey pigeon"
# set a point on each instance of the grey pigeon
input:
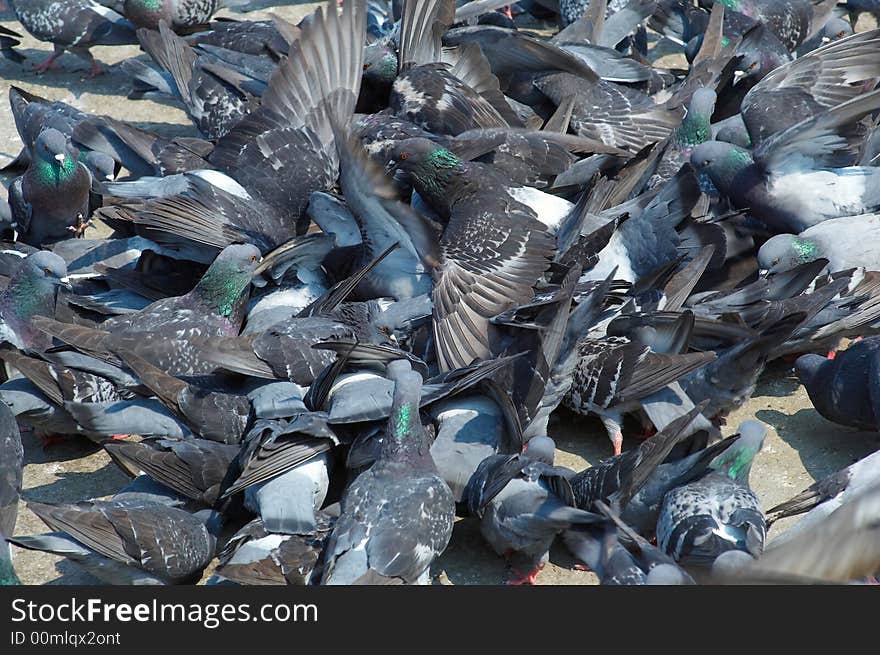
(284, 471)
(613, 374)
(74, 25)
(845, 242)
(51, 200)
(718, 512)
(193, 468)
(397, 516)
(11, 472)
(31, 292)
(523, 502)
(165, 332)
(148, 544)
(792, 180)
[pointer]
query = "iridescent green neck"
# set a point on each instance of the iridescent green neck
(436, 171)
(805, 251)
(55, 172)
(694, 130)
(730, 4)
(735, 463)
(30, 296)
(153, 5)
(405, 434)
(735, 160)
(224, 289)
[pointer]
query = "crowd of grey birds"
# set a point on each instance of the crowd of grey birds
(409, 231)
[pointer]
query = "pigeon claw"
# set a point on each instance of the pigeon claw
(46, 64)
(82, 224)
(95, 70)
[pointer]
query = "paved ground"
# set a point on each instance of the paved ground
(801, 446)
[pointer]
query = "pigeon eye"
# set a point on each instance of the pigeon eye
(366, 66)
(404, 156)
(253, 258)
(775, 262)
(840, 35)
(752, 66)
(47, 271)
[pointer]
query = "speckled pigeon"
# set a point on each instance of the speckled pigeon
(397, 516)
(718, 512)
(74, 25)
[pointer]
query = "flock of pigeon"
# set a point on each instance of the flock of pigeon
(407, 232)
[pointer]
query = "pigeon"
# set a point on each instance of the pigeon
(614, 374)
(11, 472)
(844, 242)
(523, 502)
(771, 180)
(638, 563)
(255, 556)
(75, 25)
(729, 380)
(163, 333)
(193, 468)
(120, 544)
(51, 200)
(31, 292)
(397, 516)
(283, 470)
(493, 248)
(718, 512)
(843, 389)
(179, 14)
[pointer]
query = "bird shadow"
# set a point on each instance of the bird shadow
(67, 449)
(73, 486)
(779, 380)
(823, 447)
(71, 574)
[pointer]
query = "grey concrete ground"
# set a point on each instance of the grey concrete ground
(801, 446)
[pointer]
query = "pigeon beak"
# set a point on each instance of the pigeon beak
(737, 76)
(764, 272)
(109, 177)
(65, 282)
(60, 157)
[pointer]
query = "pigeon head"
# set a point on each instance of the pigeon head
(784, 252)
(54, 159)
(101, 166)
(541, 449)
(224, 286)
(835, 29)
(430, 166)
(697, 124)
(30, 293)
(808, 368)
(47, 268)
(722, 162)
(736, 461)
(380, 65)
